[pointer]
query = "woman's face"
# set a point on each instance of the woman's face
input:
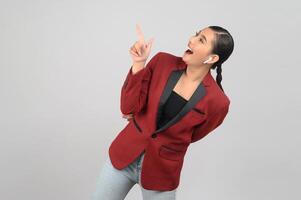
(201, 45)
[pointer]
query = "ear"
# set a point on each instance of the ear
(214, 59)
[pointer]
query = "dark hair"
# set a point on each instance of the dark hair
(222, 46)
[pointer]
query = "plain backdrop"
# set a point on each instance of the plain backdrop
(62, 65)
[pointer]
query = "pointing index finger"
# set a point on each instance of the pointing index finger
(140, 34)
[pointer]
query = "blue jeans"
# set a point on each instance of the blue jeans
(114, 184)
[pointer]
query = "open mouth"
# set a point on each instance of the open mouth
(189, 51)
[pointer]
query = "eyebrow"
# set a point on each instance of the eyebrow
(203, 36)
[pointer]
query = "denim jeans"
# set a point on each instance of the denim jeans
(114, 184)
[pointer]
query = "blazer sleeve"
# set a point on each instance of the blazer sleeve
(134, 91)
(211, 123)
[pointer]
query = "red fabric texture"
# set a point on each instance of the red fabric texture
(164, 154)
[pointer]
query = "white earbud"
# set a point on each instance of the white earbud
(207, 60)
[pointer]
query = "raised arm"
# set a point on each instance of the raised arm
(135, 88)
(134, 91)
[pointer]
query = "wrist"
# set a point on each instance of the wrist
(137, 66)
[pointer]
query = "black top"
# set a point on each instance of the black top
(173, 105)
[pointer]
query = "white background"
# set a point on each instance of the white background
(62, 65)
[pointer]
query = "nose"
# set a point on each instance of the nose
(190, 42)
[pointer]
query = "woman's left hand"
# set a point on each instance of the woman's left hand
(128, 117)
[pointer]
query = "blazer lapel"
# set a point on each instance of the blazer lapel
(199, 93)
(171, 82)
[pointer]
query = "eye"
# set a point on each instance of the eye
(196, 34)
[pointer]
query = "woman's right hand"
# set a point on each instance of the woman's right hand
(140, 50)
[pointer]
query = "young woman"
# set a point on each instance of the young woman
(169, 103)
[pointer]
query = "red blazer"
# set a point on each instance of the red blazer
(143, 94)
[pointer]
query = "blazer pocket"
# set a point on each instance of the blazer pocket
(198, 114)
(194, 117)
(199, 111)
(137, 125)
(170, 153)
